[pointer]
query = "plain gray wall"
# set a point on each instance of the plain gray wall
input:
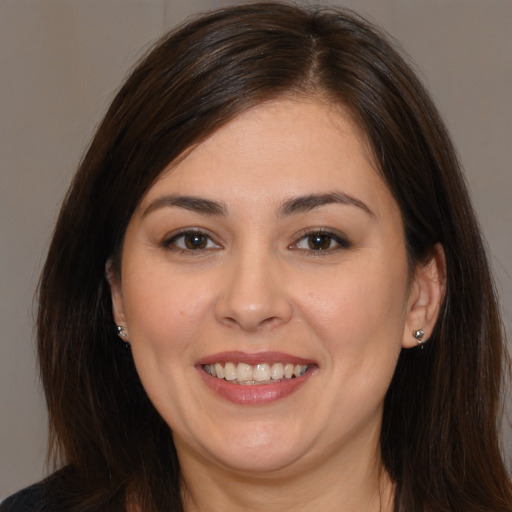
(60, 64)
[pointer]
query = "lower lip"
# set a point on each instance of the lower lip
(254, 394)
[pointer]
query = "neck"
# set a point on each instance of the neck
(361, 486)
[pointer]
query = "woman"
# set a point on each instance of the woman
(267, 290)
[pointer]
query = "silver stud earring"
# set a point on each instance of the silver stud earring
(121, 330)
(419, 336)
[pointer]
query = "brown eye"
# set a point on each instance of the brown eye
(319, 242)
(195, 241)
(191, 241)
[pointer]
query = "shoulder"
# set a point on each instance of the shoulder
(31, 499)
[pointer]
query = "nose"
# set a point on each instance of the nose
(253, 296)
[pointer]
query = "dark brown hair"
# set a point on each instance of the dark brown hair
(439, 437)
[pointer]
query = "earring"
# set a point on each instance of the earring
(121, 331)
(419, 336)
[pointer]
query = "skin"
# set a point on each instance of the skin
(257, 284)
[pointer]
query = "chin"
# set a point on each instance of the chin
(257, 462)
(250, 449)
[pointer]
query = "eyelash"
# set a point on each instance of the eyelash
(171, 243)
(340, 241)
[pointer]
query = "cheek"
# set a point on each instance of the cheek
(165, 320)
(359, 309)
(359, 326)
(164, 315)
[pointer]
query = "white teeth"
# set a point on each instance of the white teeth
(243, 372)
(262, 373)
(288, 371)
(229, 371)
(219, 371)
(299, 370)
(277, 371)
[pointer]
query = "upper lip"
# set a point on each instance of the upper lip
(253, 358)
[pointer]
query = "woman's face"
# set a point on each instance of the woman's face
(266, 293)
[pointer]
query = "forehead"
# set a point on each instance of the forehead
(281, 147)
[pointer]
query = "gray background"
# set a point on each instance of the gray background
(60, 64)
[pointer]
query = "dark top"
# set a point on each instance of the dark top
(31, 499)
(60, 492)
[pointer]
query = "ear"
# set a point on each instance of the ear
(425, 297)
(116, 294)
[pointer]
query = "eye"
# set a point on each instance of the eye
(193, 240)
(319, 241)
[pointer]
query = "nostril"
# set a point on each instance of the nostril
(248, 324)
(253, 320)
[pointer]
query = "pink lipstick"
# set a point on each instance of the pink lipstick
(254, 378)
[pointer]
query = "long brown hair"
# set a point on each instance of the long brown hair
(439, 436)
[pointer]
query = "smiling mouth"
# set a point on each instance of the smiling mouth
(262, 373)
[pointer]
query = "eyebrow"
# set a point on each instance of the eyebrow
(192, 203)
(294, 205)
(303, 204)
